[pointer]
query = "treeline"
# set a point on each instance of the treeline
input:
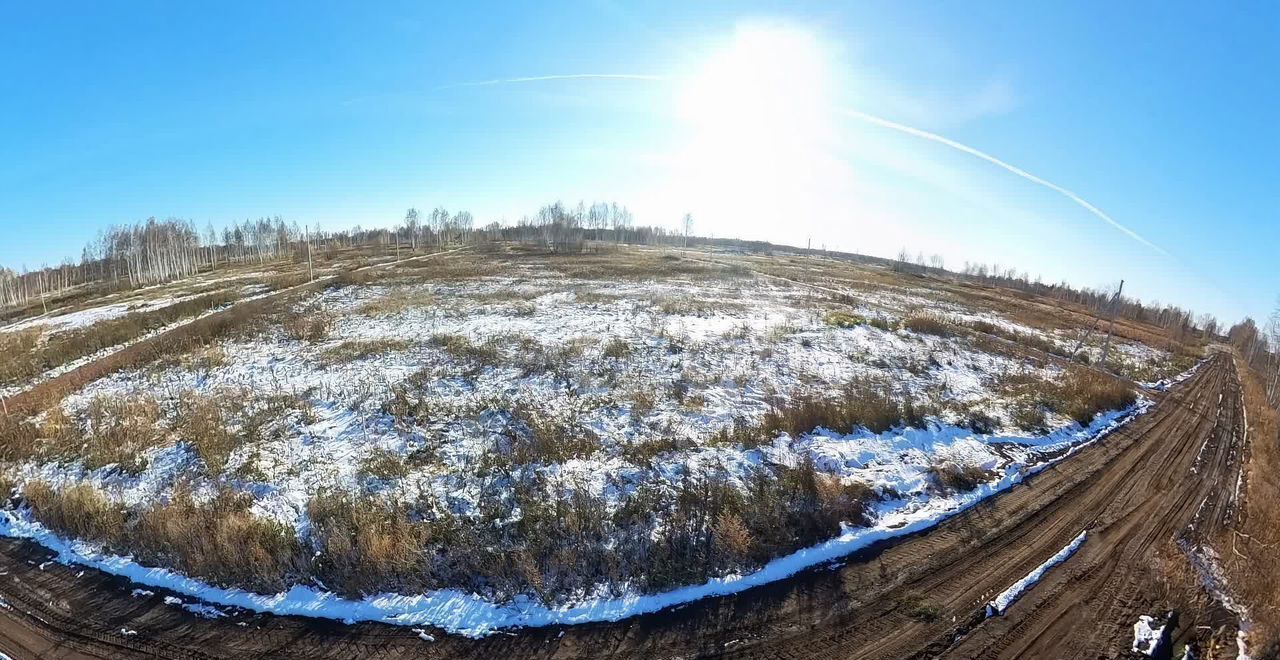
(1181, 324)
(1260, 348)
(155, 251)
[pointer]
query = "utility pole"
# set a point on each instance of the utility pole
(1106, 345)
(1096, 319)
(310, 271)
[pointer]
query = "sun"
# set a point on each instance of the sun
(768, 83)
(756, 126)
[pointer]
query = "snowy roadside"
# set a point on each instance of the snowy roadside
(473, 616)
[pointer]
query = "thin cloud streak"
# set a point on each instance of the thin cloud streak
(571, 76)
(864, 117)
(934, 137)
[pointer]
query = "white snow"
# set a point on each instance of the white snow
(1004, 599)
(1147, 636)
(740, 350)
(473, 616)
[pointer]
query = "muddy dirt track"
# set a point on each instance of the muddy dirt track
(1169, 474)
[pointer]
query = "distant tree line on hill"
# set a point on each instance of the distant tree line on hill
(155, 251)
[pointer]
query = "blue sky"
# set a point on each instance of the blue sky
(1161, 115)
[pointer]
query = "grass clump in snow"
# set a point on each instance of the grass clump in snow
(928, 324)
(461, 348)
(365, 545)
(395, 301)
(845, 320)
(307, 325)
(219, 540)
(79, 510)
(861, 404)
(1079, 394)
(351, 351)
(384, 464)
(1037, 342)
(950, 476)
(617, 348)
(218, 423)
(538, 437)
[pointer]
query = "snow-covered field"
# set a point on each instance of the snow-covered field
(620, 394)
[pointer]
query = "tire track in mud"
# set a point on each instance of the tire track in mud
(919, 596)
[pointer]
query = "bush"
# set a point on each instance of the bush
(928, 324)
(617, 348)
(861, 405)
(948, 476)
(844, 320)
(307, 325)
(365, 546)
(80, 511)
(220, 541)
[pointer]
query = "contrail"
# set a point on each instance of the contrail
(570, 76)
(934, 137)
(861, 116)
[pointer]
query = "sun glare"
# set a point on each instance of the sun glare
(759, 129)
(767, 83)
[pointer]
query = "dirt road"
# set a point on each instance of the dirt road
(1168, 474)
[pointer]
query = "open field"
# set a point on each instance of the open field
(504, 437)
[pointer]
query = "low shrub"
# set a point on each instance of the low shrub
(307, 325)
(950, 476)
(928, 324)
(861, 404)
(384, 464)
(844, 320)
(80, 511)
(351, 351)
(220, 541)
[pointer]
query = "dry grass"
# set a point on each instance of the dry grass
(385, 465)
(948, 476)
(928, 324)
(464, 349)
(71, 345)
(867, 405)
(1252, 561)
(307, 325)
(617, 348)
(1080, 394)
(219, 541)
(79, 510)
(218, 423)
(365, 546)
(397, 300)
(542, 438)
(286, 281)
(118, 431)
(350, 351)
(844, 320)
(1029, 340)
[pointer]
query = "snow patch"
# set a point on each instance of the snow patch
(1148, 635)
(1002, 601)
